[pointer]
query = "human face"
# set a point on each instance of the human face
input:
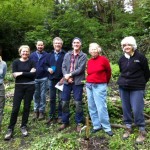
(94, 52)
(128, 48)
(40, 46)
(76, 44)
(57, 45)
(24, 53)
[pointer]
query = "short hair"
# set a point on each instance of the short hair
(58, 39)
(95, 46)
(23, 46)
(77, 38)
(129, 40)
(39, 41)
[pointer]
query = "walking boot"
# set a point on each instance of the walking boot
(36, 115)
(59, 121)
(79, 127)
(49, 121)
(63, 126)
(9, 134)
(41, 116)
(24, 131)
(127, 133)
(141, 138)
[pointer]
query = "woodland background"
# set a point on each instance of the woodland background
(106, 22)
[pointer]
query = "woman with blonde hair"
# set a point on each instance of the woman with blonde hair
(3, 70)
(98, 76)
(23, 70)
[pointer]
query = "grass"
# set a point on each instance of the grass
(42, 137)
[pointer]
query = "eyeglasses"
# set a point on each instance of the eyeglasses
(126, 45)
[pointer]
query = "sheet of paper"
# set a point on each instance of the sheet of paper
(60, 87)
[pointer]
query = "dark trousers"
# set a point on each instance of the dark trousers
(133, 102)
(22, 91)
(77, 95)
(55, 94)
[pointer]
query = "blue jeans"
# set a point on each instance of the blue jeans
(96, 94)
(40, 95)
(77, 95)
(53, 93)
(133, 101)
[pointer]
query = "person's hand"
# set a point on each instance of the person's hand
(70, 80)
(50, 70)
(67, 76)
(61, 82)
(16, 74)
(33, 70)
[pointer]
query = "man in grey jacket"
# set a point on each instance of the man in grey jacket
(73, 69)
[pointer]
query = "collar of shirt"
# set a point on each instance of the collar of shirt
(39, 52)
(57, 52)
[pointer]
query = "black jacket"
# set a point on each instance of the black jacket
(135, 72)
(50, 61)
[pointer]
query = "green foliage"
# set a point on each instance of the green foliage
(115, 71)
(18, 17)
(48, 138)
(104, 22)
(75, 25)
(39, 33)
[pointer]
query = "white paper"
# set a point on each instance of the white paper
(60, 87)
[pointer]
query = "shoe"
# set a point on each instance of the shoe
(36, 115)
(79, 126)
(95, 130)
(141, 138)
(8, 135)
(41, 116)
(127, 133)
(59, 120)
(110, 133)
(63, 126)
(24, 131)
(49, 121)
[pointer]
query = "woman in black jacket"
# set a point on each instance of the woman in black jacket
(134, 74)
(23, 70)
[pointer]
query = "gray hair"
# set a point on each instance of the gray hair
(129, 40)
(95, 46)
(57, 39)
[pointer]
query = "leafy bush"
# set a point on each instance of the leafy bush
(115, 71)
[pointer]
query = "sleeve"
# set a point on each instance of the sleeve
(108, 70)
(47, 62)
(15, 66)
(146, 69)
(4, 69)
(64, 64)
(30, 74)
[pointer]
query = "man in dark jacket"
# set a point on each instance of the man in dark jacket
(54, 67)
(39, 56)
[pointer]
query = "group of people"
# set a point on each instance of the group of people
(32, 72)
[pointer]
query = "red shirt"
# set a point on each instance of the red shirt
(98, 70)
